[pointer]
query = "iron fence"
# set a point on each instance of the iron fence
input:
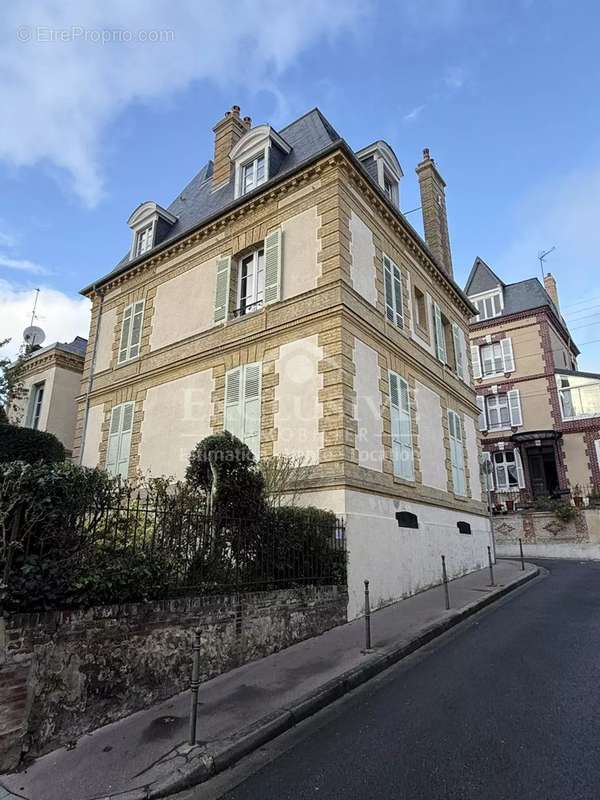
(135, 548)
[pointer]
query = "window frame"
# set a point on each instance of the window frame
(149, 229)
(253, 162)
(258, 271)
(496, 400)
(34, 405)
(494, 360)
(481, 298)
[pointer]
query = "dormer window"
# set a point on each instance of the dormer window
(384, 168)
(144, 239)
(488, 305)
(150, 224)
(252, 174)
(256, 157)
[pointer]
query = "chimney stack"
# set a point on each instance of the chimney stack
(227, 133)
(433, 204)
(550, 286)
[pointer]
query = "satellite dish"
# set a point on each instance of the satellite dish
(33, 336)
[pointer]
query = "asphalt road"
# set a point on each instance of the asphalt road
(506, 706)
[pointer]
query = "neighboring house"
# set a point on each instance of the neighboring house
(51, 380)
(284, 297)
(539, 416)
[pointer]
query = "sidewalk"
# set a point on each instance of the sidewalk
(145, 756)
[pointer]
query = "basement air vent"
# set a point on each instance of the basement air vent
(407, 520)
(463, 527)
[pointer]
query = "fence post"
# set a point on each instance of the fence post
(367, 618)
(194, 685)
(491, 566)
(445, 577)
(521, 552)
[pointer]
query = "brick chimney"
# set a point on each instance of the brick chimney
(227, 133)
(433, 203)
(550, 285)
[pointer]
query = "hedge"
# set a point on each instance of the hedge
(25, 444)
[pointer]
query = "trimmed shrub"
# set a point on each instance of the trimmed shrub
(25, 444)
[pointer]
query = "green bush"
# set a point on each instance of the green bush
(240, 485)
(25, 444)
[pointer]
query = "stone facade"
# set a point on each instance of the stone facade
(65, 673)
(336, 228)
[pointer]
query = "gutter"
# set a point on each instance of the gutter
(90, 378)
(338, 144)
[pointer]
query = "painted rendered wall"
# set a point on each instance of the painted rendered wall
(535, 404)
(399, 561)
(46, 377)
(576, 458)
(299, 408)
(106, 334)
(367, 409)
(362, 250)
(62, 410)
(472, 457)
(93, 437)
(176, 417)
(183, 306)
(300, 250)
(431, 438)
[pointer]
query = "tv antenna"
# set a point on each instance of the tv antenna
(541, 256)
(35, 302)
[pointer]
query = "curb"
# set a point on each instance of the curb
(204, 765)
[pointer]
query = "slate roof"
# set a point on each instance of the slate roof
(77, 346)
(307, 136)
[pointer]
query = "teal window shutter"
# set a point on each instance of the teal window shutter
(402, 445)
(273, 267)
(233, 402)
(222, 284)
(252, 388)
(119, 439)
(131, 331)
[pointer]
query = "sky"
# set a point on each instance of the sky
(106, 105)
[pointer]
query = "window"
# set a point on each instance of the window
(579, 397)
(500, 411)
(119, 439)
(493, 359)
(251, 282)
(131, 332)
(441, 326)
(508, 470)
(390, 187)
(420, 309)
(34, 409)
(252, 174)
(392, 280)
(488, 306)
(143, 241)
(402, 446)
(242, 404)
(457, 456)
(498, 414)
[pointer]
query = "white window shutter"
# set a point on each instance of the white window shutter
(136, 329)
(519, 465)
(457, 338)
(476, 361)
(464, 351)
(398, 301)
(440, 341)
(252, 387)
(273, 267)
(233, 402)
(456, 453)
(507, 354)
(114, 430)
(483, 425)
(514, 407)
(221, 306)
(125, 332)
(125, 439)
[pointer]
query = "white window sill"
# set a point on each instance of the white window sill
(127, 361)
(580, 417)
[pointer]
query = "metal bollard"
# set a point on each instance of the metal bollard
(367, 618)
(521, 551)
(445, 577)
(195, 685)
(490, 562)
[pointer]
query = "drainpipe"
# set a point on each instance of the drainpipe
(90, 379)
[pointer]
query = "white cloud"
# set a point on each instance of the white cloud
(64, 85)
(413, 114)
(61, 316)
(22, 265)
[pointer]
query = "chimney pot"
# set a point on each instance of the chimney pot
(235, 110)
(426, 153)
(248, 122)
